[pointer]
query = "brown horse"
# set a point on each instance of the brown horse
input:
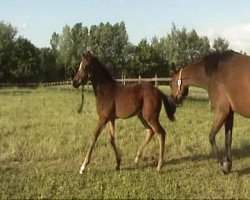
(226, 78)
(115, 100)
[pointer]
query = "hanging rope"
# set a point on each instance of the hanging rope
(80, 108)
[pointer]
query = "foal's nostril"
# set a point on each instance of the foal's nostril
(76, 83)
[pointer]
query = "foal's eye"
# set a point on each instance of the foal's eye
(178, 82)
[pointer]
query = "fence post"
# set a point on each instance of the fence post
(156, 82)
(123, 78)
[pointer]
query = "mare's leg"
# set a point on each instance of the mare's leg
(227, 162)
(218, 122)
(102, 122)
(112, 141)
(140, 151)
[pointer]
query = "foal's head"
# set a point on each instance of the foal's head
(84, 70)
(178, 88)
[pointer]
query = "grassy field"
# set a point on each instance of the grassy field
(43, 141)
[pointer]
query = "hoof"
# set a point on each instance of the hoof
(158, 169)
(81, 169)
(117, 168)
(226, 167)
(136, 160)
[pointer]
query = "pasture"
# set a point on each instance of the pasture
(43, 141)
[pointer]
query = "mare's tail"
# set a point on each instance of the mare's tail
(169, 106)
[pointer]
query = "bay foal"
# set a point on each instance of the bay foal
(115, 100)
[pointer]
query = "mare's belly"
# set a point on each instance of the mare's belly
(241, 104)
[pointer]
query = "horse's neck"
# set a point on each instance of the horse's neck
(194, 75)
(102, 81)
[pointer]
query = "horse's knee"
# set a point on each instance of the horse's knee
(212, 138)
(162, 133)
(158, 129)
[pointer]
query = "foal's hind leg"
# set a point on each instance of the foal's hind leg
(112, 141)
(147, 139)
(157, 128)
(140, 151)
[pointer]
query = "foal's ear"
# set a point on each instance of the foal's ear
(174, 69)
(83, 56)
(88, 56)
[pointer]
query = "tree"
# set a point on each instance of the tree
(7, 36)
(220, 44)
(196, 46)
(109, 43)
(162, 65)
(55, 42)
(49, 70)
(183, 46)
(177, 45)
(69, 46)
(27, 62)
(78, 44)
(64, 55)
(144, 60)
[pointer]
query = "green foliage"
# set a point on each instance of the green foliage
(43, 141)
(19, 58)
(220, 44)
(109, 43)
(183, 46)
(27, 62)
(49, 69)
(144, 61)
(21, 61)
(7, 36)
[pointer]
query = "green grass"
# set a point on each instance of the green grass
(43, 141)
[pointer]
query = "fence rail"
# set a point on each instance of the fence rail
(56, 83)
(67, 85)
(156, 81)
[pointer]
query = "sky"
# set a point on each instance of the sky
(37, 20)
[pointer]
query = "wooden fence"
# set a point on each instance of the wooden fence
(154, 80)
(67, 85)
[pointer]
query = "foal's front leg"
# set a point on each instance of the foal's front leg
(100, 126)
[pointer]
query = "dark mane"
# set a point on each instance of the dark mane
(211, 61)
(101, 70)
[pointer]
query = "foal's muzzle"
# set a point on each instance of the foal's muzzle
(176, 100)
(76, 83)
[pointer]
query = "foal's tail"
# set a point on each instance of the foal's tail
(169, 106)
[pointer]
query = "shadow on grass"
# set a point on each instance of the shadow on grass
(151, 162)
(196, 99)
(241, 153)
(15, 92)
(243, 171)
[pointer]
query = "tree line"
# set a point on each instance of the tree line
(21, 61)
